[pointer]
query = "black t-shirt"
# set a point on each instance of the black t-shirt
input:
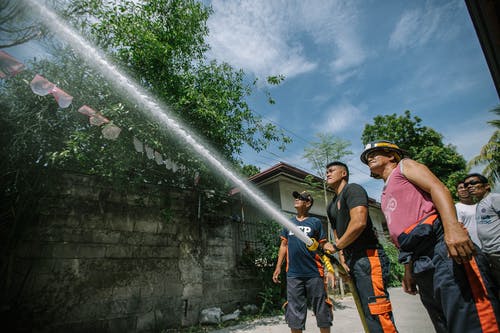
(352, 195)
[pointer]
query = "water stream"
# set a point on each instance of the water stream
(159, 112)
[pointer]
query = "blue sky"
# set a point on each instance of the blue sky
(348, 61)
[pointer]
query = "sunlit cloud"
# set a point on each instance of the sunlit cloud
(261, 37)
(339, 118)
(416, 27)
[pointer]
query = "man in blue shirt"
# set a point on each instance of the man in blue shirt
(305, 273)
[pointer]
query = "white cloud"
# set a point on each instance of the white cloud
(417, 27)
(254, 35)
(340, 117)
(271, 37)
(333, 25)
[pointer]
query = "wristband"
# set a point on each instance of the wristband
(336, 248)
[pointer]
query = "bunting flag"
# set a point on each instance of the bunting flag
(139, 147)
(149, 152)
(158, 158)
(9, 66)
(41, 86)
(111, 131)
(63, 99)
(154, 155)
(168, 164)
(95, 118)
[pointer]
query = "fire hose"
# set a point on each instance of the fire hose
(327, 259)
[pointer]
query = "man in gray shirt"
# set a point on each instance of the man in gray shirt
(487, 219)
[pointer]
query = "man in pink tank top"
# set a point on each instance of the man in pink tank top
(450, 272)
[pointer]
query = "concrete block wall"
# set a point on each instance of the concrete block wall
(106, 260)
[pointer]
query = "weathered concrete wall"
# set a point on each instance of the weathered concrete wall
(106, 260)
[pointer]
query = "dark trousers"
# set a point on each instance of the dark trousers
(369, 270)
(458, 297)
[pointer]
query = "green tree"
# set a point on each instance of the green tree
(329, 148)
(162, 43)
(15, 26)
(249, 170)
(422, 143)
(490, 153)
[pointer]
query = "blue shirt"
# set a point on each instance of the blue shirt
(300, 261)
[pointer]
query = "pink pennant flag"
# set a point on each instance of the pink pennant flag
(41, 86)
(62, 98)
(9, 66)
(87, 110)
(95, 117)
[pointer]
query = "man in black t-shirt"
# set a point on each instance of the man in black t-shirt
(359, 250)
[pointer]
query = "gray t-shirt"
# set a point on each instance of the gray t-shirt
(488, 222)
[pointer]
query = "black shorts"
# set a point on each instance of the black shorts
(299, 290)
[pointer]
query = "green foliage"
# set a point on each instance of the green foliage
(397, 270)
(422, 143)
(452, 181)
(266, 254)
(329, 148)
(249, 170)
(269, 296)
(490, 153)
(162, 43)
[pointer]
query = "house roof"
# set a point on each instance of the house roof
(286, 170)
(281, 169)
(485, 16)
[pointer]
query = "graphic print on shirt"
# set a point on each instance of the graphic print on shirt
(391, 206)
(306, 230)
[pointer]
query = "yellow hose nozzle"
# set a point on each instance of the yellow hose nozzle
(313, 246)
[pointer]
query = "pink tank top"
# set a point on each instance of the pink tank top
(403, 203)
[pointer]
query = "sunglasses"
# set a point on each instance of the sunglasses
(301, 198)
(473, 182)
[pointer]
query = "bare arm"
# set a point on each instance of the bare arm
(356, 226)
(341, 256)
(460, 247)
(281, 257)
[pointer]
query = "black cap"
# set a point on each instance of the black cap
(304, 195)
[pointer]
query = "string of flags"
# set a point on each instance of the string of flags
(9, 67)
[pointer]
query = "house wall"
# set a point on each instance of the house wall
(279, 190)
(137, 260)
